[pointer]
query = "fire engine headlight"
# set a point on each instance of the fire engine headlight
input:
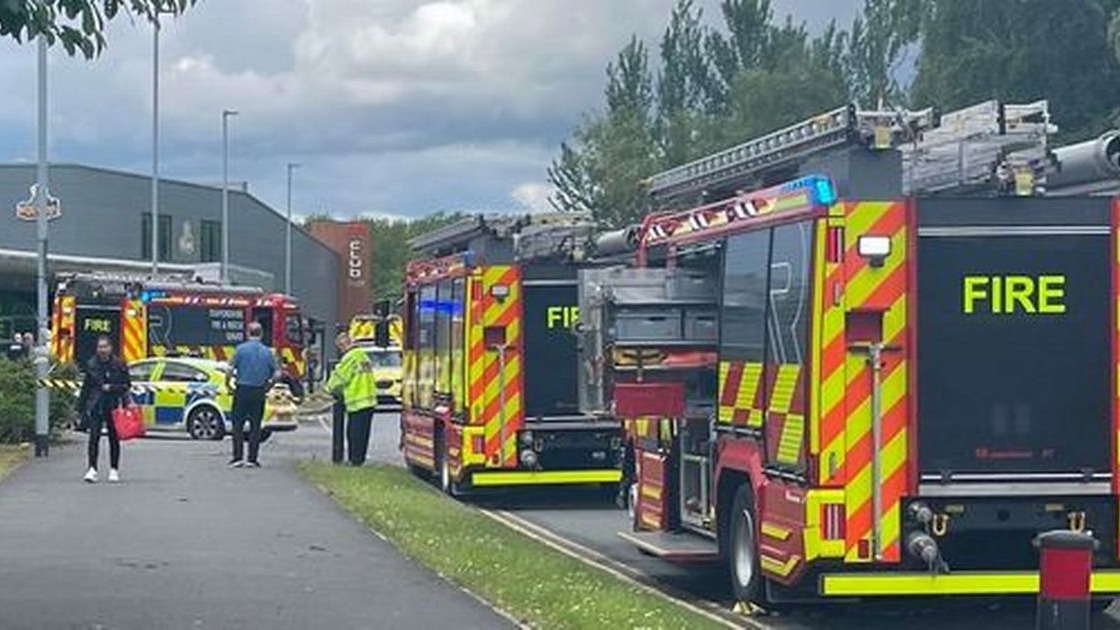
(528, 458)
(526, 438)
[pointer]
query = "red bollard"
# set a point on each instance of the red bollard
(1067, 564)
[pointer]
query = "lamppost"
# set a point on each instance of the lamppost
(42, 367)
(155, 144)
(288, 245)
(225, 193)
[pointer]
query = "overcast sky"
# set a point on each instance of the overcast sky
(394, 107)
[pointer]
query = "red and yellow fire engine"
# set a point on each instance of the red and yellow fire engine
(866, 397)
(170, 318)
(490, 395)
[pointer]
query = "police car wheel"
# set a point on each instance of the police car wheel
(205, 423)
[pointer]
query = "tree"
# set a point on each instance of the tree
(716, 87)
(873, 49)
(78, 25)
(1020, 51)
(685, 92)
(1114, 33)
(391, 251)
(602, 169)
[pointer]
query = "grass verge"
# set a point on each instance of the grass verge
(532, 582)
(11, 456)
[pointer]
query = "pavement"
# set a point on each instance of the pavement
(185, 542)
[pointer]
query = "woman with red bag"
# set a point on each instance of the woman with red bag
(105, 387)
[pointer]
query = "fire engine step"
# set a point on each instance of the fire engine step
(682, 547)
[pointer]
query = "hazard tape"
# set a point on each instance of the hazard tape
(148, 388)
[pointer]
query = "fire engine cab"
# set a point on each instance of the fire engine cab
(170, 317)
(847, 373)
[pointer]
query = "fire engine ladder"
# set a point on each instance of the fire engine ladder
(990, 144)
(567, 235)
(749, 161)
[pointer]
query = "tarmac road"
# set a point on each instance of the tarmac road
(590, 520)
(185, 542)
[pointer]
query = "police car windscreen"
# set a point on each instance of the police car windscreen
(195, 326)
(550, 311)
(1014, 352)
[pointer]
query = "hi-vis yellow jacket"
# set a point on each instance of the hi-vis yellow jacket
(353, 378)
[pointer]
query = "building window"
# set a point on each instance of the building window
(164, 237)
(210, 241)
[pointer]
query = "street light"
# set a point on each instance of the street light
(155, 146)
(42, 396)
(288, 246)
(225, 193)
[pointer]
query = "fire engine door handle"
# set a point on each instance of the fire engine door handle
(875, 351)
(501, 350)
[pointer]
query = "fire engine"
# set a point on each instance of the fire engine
(866, 356)
(170, 317)
(490, 396)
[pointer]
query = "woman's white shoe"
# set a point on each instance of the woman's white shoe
(91, 476)
(114, 476)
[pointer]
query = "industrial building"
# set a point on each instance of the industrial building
(105, 225)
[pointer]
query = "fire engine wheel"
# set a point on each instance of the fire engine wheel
(632, 503)
(746, 577)
(205, 423)
(443, 467)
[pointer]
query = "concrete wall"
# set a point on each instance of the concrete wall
(102, 217)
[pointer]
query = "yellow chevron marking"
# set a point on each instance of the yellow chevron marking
(781, 399)
(777, 532)
(789, 445)
(727, 413)
(859, 490)
(777, 567)
(748, 388)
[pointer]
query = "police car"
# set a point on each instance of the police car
(387, 372)
(192, 395)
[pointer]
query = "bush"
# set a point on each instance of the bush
(17, 401)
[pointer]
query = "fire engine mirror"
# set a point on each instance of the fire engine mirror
(874, 248)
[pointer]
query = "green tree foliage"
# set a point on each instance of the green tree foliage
(720, 84)
(1114, 34)
(391, 251)
(78, 25)
(17, 401)
(602, 169)
(715, 87)
(1019, 51)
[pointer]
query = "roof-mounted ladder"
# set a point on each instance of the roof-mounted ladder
(749, 161)
(985, 145)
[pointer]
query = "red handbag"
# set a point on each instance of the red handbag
(129, 422)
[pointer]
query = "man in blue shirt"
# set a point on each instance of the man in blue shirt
(254, 369)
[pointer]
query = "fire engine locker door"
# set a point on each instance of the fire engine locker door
(90, 323)
(1014, 341)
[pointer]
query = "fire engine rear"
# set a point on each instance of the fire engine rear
(491, 361)
(839, 390)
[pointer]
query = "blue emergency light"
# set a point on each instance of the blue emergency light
(820, 189)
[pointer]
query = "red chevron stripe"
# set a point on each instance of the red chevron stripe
(729, 395)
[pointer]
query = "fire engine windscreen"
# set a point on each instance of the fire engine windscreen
(550, 313)
(195, 325)
(1014, 338)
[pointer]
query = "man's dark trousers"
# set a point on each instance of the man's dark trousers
(248, 406)
(357, 435)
